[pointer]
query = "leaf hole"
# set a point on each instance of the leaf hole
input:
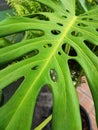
(60, 24)
(91, 46)
(69, 50)
(31, 53)
(53, 75)
(11, 39)
(41, 17)
(1, 99)
(28, 55)
(9, 90)
(21, 58)
(76, 33)
(64, 16)
(67, 11)
(91, 19)
(59, 53)
(84, 18)
(14, 38)
(47, 45)
(88, 44)
(35, 67)
(97, 29)
(82, 25)
(72, 52)
(43, 107)
(85, 14)
(75, 71)
(55, 32)
(34, 33)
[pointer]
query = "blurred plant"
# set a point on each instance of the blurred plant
(24, 7)
(84, 5)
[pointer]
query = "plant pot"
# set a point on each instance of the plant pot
(86, 123)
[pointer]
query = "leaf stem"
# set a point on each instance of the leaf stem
(44, 123)
(67, 49)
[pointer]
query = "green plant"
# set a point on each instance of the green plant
(26, 7)
(44, 60)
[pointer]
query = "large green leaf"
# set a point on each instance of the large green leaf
(48, 64)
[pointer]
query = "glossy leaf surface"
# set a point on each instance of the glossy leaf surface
(42, 60)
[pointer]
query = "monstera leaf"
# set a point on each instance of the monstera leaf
(43, 60)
